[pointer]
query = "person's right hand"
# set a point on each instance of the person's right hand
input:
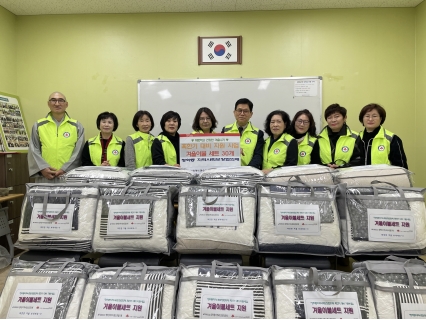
(48, 173)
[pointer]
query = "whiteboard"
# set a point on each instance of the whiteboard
(267, 94)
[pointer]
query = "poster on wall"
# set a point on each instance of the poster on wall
(14, 134)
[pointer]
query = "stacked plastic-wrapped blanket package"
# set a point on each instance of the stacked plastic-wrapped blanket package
(297, 217)
(139, 291)
(58, 217)
(134, 218)
(399, 287)
(44, 290)
(224, 290)
(308, 293)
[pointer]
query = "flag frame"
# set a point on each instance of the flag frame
(203, 61)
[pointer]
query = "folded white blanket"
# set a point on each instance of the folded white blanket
(361, 246)
(364, 175)
(289, 303)
(194, 239)
(162, 298)
(386, 304)
(232, 175)
(80, 238)
(162, 175)
(73, 287)
(105, 175)
(185, 304)
(311, 174)
(328, 240)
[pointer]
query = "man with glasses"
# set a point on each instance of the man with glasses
(251, 141)
(56, 142)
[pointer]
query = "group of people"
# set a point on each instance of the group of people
(57, 141)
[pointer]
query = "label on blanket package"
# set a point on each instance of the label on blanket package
(224, 212)
(34, 301)
(413, 311)
(300, 219)
(391, 225)
(128, 219)
(131, 304)
(323, 305)
(226, 303)
(41, 224)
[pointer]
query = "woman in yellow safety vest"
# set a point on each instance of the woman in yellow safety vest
(204, 121)
(280, 148)
(303, 129)
(165, 148)
(138, 145)
(377, 144)
(336, 145)
(105, 149)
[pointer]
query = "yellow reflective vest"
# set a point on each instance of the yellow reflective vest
(169, 150)
(248, 140)
(380, 147)
(343, 150)
(277, 154)
(57, 142)
(142, 143)
(113, 150)
(305, 150)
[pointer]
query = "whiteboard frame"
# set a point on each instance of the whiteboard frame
(318, 119)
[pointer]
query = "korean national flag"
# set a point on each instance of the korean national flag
(220, 50)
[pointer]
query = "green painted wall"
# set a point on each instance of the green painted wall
(364, 55)
(8, 51)
(419, 115)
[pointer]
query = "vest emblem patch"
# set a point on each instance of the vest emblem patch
(114, 152)
(66, 134)
(381, 148)
(276, 151)
(345, 149)
(302, 153)
(247, 141)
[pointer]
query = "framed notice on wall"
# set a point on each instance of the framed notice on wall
(13, 133)
(220, 50)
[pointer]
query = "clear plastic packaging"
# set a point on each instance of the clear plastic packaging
(162, 175)
(311, 173)
(355, 220)
(160, 281)
(160, 219)
(99, 174)
(237, 239)
(223, 276)
(83, 198)
(290, 283)
(395, 283)
(364, 175)
(328, 242)
(231, 175)
(72, 276)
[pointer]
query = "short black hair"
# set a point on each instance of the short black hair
(334, 108)
(284, 115)
(373, 106)
(139, 115)
(107, 115)
(312, 127)
(244, 101)
(170, 115)
(196, 123)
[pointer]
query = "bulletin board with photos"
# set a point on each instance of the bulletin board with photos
(13, 133)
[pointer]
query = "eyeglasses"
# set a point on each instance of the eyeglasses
(205, 119)
(53, 101)
(304, 122)
(243, 111)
